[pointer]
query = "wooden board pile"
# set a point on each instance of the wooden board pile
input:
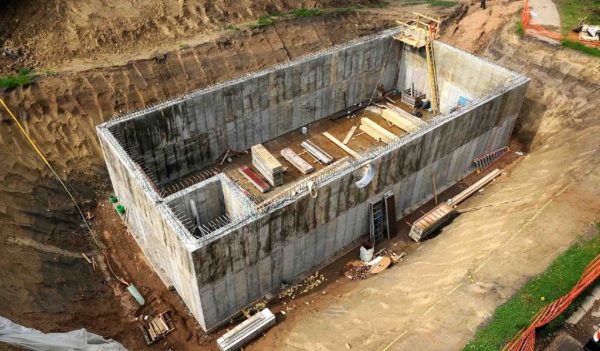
(402, 119)
(267, 165)
(157, 328)
(248, 330)
(297, 161)
(376, 131)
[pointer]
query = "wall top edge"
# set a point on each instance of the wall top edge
(120, 118)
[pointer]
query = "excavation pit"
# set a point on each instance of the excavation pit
(222, 243)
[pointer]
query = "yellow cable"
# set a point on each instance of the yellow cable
(41, 155)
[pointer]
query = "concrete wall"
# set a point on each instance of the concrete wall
(152, 224)
(252, 260)
(189, 133)
(459, 74)
(222, 272)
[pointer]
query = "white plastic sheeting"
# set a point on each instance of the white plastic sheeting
(76, 340)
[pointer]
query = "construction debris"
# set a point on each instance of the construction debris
(356, 270)
(297, 161)
(246, 331)
(393, 255)
(157, 328)
(267, 165)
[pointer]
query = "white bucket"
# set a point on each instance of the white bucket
(366, 255)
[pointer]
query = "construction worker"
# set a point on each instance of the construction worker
(482, 4)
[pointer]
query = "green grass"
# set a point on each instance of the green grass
(516, 313)
(519, 28)
(263, 21)
(572, 11)
(580, 47)
(231, 27)
(23, 77)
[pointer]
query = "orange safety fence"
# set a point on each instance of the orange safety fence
(536, 29)
(525, 339)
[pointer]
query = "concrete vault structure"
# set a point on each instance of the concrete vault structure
(222, 244)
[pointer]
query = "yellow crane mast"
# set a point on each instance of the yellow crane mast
(418, 33)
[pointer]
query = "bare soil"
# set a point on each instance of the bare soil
(443, 291)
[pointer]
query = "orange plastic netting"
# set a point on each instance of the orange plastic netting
(525, 339)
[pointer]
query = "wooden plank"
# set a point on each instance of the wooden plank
(370, 132)
(385, 134)
(396, 119)
(349, 135)
(249, 174)
(413, 119)
(473, 188)
(297, 161)
(341, 145)
(316, 152)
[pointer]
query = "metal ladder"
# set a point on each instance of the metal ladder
(485, 161)
(376, 221)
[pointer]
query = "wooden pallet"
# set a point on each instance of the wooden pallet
(157, 328)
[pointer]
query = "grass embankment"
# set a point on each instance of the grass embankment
(436, 3)
(580, 47)
(23, 77)
(556, 281)
(572, 11)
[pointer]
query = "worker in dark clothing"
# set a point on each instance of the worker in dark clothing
(482, 4)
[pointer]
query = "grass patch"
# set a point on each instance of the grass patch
(580, 47)
(263, 21)
(572, 11)
(23, 77)
(519, 28)
(231, 27)
(556, 281)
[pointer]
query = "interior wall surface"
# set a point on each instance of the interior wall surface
(458, 73)
(253, 260)
(187, 134)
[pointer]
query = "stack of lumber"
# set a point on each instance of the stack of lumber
(157, 328)
(400, 120)
(316, 152)
(376, 131)
(414, 119)
(254, 179)
(267, 165)
(297, 161)
(248, 330)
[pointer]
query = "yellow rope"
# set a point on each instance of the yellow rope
(41, 155)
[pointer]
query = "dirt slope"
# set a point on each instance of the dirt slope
(48, 34)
